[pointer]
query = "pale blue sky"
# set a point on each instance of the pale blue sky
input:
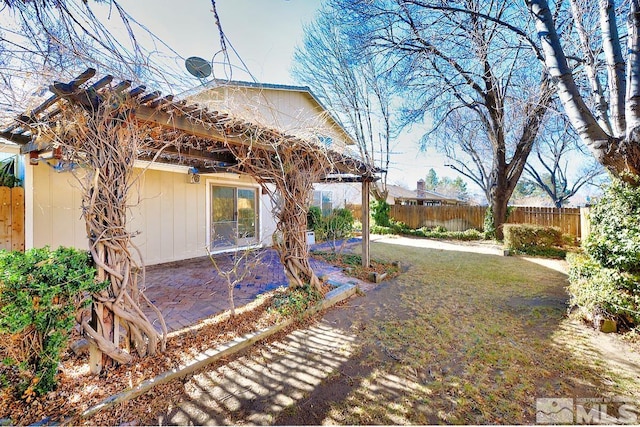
(264, 33)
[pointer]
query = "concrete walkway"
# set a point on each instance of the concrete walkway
(191, 290)
(254, 389)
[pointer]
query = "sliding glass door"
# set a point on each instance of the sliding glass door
(234, 217)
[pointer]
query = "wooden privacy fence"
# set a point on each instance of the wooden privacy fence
(453, 218)
(566, 219)
(460, 218)
(12, 218)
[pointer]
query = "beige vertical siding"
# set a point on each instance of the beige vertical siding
(57, 217)
(291, 111)
(170, 217)
(168, 213)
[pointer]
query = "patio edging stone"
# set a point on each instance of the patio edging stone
(212, 355)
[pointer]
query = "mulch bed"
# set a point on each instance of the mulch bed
(351, 264)
(78, 390)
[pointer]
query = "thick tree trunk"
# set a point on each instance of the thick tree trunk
(499, 197)
(293, 248)
(577, 111)
(619, 154)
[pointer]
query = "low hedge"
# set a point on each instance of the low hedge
(431, 233)
(521, 237)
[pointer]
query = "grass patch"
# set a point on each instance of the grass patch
(465, 338)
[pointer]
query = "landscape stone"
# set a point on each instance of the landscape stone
(608, 326)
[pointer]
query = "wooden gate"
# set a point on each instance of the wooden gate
(12, 218)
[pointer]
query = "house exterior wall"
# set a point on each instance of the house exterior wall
(342, 193)
(168, 212)
(291, 111)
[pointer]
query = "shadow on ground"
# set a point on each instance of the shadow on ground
(460, 337)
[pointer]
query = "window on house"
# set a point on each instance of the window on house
(326, 140)
(323, 200)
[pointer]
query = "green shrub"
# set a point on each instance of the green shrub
(605, 282)
(614, 240)
(314, 218)
(40, 293)
(603, 292)
(379, 229)
(489, 227)
(526, 237)
(338, 225)
(296, 301)
(380, 212)
(7, 176)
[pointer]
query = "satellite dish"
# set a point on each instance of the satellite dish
(198, 67)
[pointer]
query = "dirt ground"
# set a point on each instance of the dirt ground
(459, 337)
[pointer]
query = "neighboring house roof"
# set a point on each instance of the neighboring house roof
(304, 90)
(397, 191)
(400, 194)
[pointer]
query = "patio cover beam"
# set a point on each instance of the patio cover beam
(190, 126)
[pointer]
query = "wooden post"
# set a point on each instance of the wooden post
(17, 219)
(95, 355)
(585, 224)
(5, 218)
(365, 223)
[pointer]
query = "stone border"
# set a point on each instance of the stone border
(212, 355)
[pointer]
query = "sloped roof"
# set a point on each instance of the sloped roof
(401, 193)
(306, 90)
(204, 134)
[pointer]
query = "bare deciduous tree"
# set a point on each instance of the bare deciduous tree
(605, 116)
(462, 60)
(234, 268)
(355, 87)
(556, 148)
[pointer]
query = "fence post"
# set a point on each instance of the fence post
(365, 223)
(585, 223)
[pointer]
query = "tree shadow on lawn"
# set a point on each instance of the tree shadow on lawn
(458, 338)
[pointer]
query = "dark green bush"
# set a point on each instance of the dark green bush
(525, 237)
(614, 240)
(380, 212)
(40, 293)
(603, 292)
(314, 218)
(605, 282)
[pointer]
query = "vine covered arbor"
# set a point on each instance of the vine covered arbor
(101, 127)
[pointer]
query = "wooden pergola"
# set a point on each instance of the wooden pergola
(190, 134)
(108, 126)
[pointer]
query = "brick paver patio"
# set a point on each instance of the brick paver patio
(191, 290)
